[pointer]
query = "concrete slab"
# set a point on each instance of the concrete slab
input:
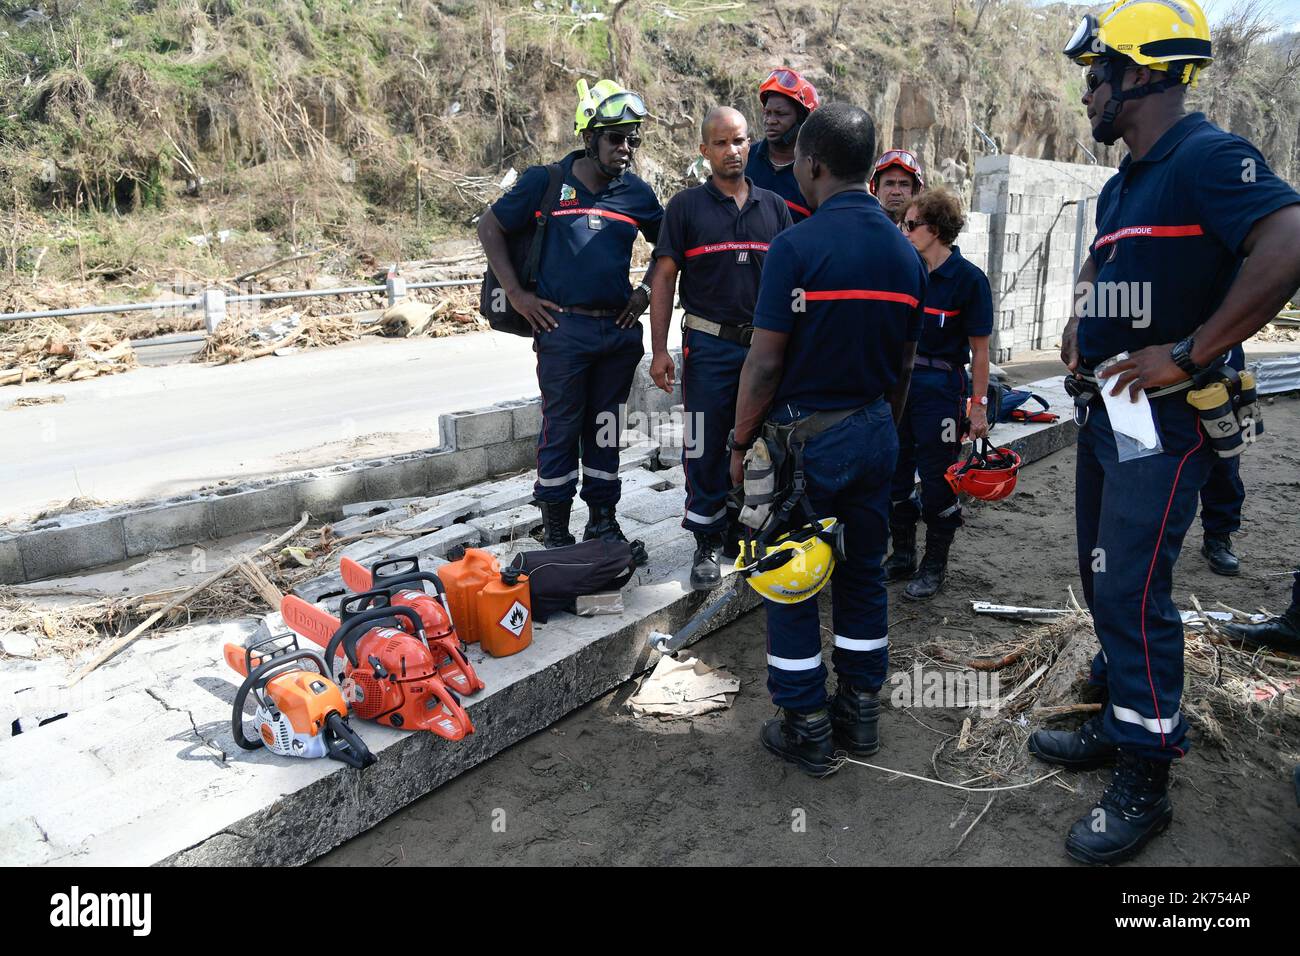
(442, 512)
(372, 507)
(11, 560)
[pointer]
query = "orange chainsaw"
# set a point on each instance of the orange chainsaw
(390, 673)
(300, 712)
(402, 582)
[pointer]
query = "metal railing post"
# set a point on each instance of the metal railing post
(214, 308)
(395, 286)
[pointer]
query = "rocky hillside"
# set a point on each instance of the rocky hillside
(147, 138)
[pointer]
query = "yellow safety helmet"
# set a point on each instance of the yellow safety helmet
(606, 104)
(796, 565)
(1160, 34)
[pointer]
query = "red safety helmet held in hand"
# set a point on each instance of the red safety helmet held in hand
(988, 474)
(902, 158)
(789, 83)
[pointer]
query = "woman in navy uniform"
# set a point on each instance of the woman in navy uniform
(958, 321)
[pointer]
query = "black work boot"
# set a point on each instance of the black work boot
(902, 561)
(1281, 633)
(1132, 810)
(601, 523)
(705, 575)
(804, 739)
(731, 538)
(1081, 749)
(855, 718)
(929, 579)
(1218, 548)
(555, 523)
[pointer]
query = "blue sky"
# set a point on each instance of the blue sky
(1286, 13)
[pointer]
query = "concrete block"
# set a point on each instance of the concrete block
(325, 496)
(156, 529)
(643, 453)
(434, 545)
(359, 524)
(508, 525)
(455, 469)
(527, 419)
(477, 428)
(399, 479)
(365, 549)
(639, 479)
(510, 493)
(509, 456)
(443, 513)
(674, 476)
(56, 551)
(373, 507)
(11, 562)
(651, 507)
(252, 510)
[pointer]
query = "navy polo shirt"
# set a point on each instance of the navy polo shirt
(588, 250)
(720, 247)
(958, 305)
(847, 288)
(759, 170)
(1175, 219)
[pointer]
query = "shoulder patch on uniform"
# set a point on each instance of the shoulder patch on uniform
(568, 194)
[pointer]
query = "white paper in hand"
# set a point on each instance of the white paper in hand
(1127, 417)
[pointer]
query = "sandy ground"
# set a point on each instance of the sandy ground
(603, 787)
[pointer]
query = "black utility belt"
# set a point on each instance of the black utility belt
(940, 364)
(740, 334)
(594, 313)
(1090, 376)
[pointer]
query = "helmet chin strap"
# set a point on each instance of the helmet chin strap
(1105, 131)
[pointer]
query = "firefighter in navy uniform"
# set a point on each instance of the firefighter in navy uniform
(585, 314)
(716, 235)
(834, 335)
(957, 323)
(895, 180)
(787, 99)
(1196, 213)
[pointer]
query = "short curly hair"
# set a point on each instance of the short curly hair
(941, 210)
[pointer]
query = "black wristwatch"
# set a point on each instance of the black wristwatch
(1182, 356)
(733, 446)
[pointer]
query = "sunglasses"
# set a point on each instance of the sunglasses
(633, 140)
(1093, 80)
(911, 224)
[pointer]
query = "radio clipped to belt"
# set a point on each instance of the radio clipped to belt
(1228, 404)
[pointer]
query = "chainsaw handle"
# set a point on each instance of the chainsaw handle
(355, 604)
(408, 566)
(345, 744)
(351, 632)
(258, 678)
(403, 580)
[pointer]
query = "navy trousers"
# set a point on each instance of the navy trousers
(710, 378)
(847, 469)
(1131, 518)
(929, 440)
(584, 369)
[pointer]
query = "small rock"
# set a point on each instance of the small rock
(17, 645)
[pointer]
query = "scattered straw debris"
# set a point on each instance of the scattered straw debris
(31, 401)
(46, 350)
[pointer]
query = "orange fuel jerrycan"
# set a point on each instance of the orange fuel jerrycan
(464, 579)
(504, 616)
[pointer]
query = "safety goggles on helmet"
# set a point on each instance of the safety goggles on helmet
(795, 566)
(988, 473)
(1085, 39)
(902, 158)
(789, 83)
(624, 107)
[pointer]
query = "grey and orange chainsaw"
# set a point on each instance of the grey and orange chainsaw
(300, 710)
(390, 672)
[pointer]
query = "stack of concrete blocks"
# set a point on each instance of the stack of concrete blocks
(1032, 208)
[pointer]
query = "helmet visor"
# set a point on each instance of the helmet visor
(625, 107)
(786, 79)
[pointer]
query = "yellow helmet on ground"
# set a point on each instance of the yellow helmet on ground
(796, 565)
(606, 104)
(1161, 34)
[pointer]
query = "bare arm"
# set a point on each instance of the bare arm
(1070, 337)
(662, 284)
(979, 377)
(759, 378)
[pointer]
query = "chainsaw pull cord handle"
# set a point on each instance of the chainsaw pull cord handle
(345, 744)
(409, 566)
(360, 624)
(258, 678)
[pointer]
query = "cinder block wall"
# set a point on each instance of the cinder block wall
(1025, 213)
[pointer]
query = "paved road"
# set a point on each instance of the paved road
(161, 431)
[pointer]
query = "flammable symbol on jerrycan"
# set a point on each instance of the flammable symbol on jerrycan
(505, 614)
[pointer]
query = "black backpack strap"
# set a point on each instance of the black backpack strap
(551, 196)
